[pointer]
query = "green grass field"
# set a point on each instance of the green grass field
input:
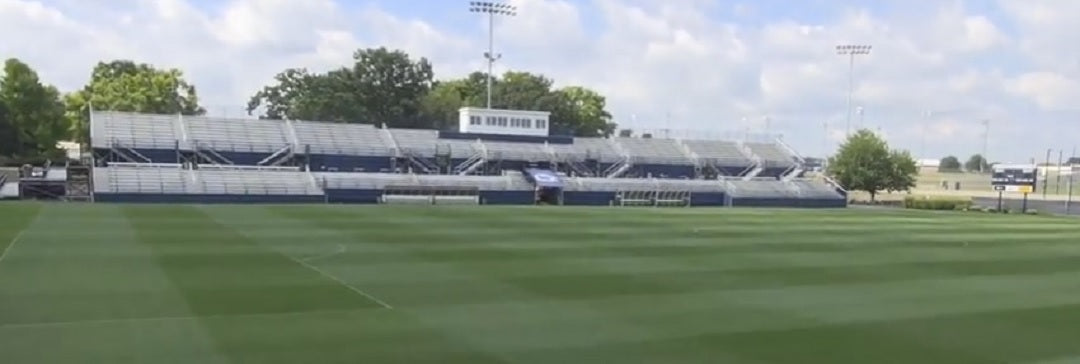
(353, 284)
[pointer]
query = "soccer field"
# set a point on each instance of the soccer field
(352, 284)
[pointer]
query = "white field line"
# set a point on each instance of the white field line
(14, 241)
(341, 282)
(167, 318)
(341, 249)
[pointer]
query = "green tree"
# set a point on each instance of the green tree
(583, 112)
(440, 106)
(123, 85)
(977, 164)
(382, 86)
(903, 172)
(9, 141)
(33, 112)
(949, 164)
(864, 163)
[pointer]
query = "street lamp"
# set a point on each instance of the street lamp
(851, 50)
(859, 111)
(492, 9)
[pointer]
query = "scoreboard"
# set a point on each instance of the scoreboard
(1015, 178)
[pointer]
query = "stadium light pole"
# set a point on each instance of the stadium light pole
(492, 9)
(859, 110)
(851, 50)
(986, 142)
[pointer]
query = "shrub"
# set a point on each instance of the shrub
(936, 204)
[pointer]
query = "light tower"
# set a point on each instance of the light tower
(492, 9)
(851, 50)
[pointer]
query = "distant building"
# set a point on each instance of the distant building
(929, 163)
(507, 122)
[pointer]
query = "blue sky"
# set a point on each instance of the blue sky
(712, 67)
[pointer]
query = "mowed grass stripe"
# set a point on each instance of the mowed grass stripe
(470, 287)
(976, 269)
(250, 280)
(58, 284)
(15, 218)
(372, 336)
(660, 282)
(477, 285)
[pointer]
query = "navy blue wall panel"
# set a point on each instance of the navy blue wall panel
(507, 197)
(348, 163)
(244, 158)
(588, 198)
(707, 199)
(354, 196)
(204, 199)
(772, 172)
(665, 170)
(160, 155)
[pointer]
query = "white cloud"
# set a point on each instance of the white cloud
(1052, 91)
(657, 61)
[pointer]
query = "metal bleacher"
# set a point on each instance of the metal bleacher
(724, 153)
(486, 183)
(157, 178)
(419, 142)
(256, 182)
(815, 189)
(343, 139)
(237, 135)
(654, 151)
(761, 188)
(132, 130)
(530, 152)
(582, 148)
(772, 153)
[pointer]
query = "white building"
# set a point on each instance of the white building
(493, 121)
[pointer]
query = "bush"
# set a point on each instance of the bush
(937, 204)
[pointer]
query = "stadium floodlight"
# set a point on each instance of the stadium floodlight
(851, 50)
(492, 9)
(859, 111)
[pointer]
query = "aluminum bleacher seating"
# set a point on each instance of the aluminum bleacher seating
(815, 189)
(654, 151)
(723, 153)
(765, 188)
(144, 179)
(486, 183)
(419, 142)
(237, 135)
(582, 148)
(133, 130)
(363, 181)
(772, 153)
(343, 139)
(531, 152)
(256, 182)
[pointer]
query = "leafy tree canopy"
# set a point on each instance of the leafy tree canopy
(977, 164)
(31, 113)
(865, 163)
(123, 85)
(949, 164)
(388, 86)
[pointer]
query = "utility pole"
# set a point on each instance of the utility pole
(1057, 178)
(986, 143)
(492, 9)
(1046, 178)
(851, 50)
